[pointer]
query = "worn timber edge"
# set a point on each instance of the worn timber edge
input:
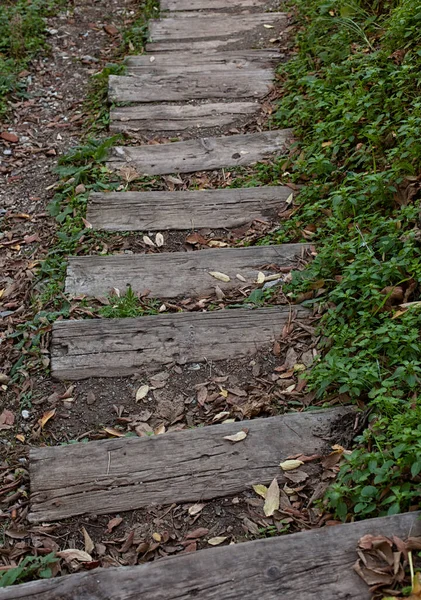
(116, 347)
(311, 565)
(186, 466)
(200, 154)
(191, 209)
(170, 275)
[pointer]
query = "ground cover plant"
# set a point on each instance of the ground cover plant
(22, 36)
(352, 94)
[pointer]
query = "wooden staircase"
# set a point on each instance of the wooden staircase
(202, 73)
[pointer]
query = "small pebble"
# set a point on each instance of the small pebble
(25, 414)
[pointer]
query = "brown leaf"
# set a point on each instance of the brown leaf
(9, 137)
(89, 545)
(113, 523)
(202, 395)
(111, 30)
(196, 239)
(7, 419)
(73, 554)
(128, 543)
(46, 417)
(197, 533)
(113, 432)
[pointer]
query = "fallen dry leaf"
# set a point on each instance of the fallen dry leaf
(215, 541)
(147, 240)
(159, 240)
(197, 533)
(89, 545)
(260, 277)
(290, 465)
(272, 499)
(196, 509)
(220, 276)
(237, 437)
(7, 419)
(113, 523)
(113, 432)
(142, 392)
(261, 490)
(73, 554)
(46, 417)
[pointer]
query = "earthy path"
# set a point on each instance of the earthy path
(206, 73)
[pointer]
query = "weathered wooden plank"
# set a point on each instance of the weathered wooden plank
(200, 154)
(170, 275)
(303, 566)
(201, 46)
(215, 25)
(142, 211)
(209, 69)
(174, 5)
(114, 347)
(263, 58)
(179, 118)
(196, 464)
(235, 84)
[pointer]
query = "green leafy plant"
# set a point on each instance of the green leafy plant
(31, 567)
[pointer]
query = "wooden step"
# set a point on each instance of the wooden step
(142, 211)
(187, 466)
(233, 84)
(201, 154)
(180, 118)
(116, 347)
(172, 275)
(311, 565)
(201, 26)
(211, 60)
(200, 47)
(190, 5)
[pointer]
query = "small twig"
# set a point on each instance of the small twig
(109, 462)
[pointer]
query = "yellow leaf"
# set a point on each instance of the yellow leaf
(89, 545)
(272, 499)
(299, 367)
(220, 276)
(160, 429)
(237, 437)
(260, 277)
(217, 244)
(268, 26)
(20, 437)
(223, 393)
(157, 537)
(46, 417)
(290, 465)
(261, 490)
(142, 392)
(215, 541)
(113, 432)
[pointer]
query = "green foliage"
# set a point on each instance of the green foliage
(31, 567)
(129, 305)
(22, 35)
(352, 96)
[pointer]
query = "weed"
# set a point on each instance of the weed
(31, 567)
(129, 305)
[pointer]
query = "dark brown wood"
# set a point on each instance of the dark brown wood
(187, 466)
(312, 565)
(206, 60)
(201, 154)
(143, 211)
(114, 347)
(234, 84)
(201, 26)
(174, 5)
(176, 274)
(180, 118)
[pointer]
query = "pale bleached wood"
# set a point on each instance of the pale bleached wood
(187, 5)
(233, 84)
(114, 347)
(143, 211)
(266, 58)
(311, 565)
(176, 274)
(200, 47)
(179, 118)
(203, 69)
(200, 154)
(216, 25)
(187, 466)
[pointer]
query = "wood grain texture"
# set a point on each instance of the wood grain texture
(201, 154)
(143, 211)
(202, 46)
(262, 58)
(143, 118)
(312, 565)
(187, 466)
(174, 5)
(233, 84)
(175, 274)
(216, 25)
(115, 347)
